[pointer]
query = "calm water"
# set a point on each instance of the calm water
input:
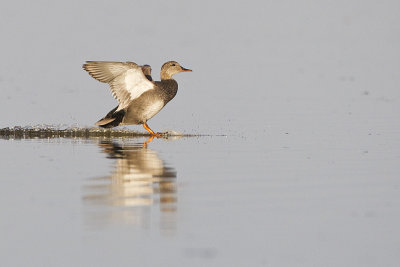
(198, 201)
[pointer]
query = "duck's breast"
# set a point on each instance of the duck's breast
(144, 108)
(152, 109)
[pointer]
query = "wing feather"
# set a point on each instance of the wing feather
(126, 79)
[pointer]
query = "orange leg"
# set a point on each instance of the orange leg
(150, 130)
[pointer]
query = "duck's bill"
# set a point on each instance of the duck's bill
(185, 70)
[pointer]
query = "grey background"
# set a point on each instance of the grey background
(252, 61)
(307, 93)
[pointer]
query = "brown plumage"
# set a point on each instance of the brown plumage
(138, 96)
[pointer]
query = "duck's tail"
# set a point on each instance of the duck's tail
(112, 119)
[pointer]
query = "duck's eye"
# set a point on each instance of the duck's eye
(173, 64)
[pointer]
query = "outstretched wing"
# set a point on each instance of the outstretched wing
(126, 79)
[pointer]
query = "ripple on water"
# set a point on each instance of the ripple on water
(57, 131)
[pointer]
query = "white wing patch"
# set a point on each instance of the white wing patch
(126, 80)
(129, 86)
(136, 86)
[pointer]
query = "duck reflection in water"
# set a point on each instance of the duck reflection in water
(140, 180)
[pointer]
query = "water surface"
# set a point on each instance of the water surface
(197, 201)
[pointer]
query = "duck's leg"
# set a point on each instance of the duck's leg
(150, 130)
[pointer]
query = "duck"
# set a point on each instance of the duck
(139, 97)
(147, 72)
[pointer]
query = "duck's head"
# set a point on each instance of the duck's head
(170, 68)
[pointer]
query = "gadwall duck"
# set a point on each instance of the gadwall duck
(139, 98)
